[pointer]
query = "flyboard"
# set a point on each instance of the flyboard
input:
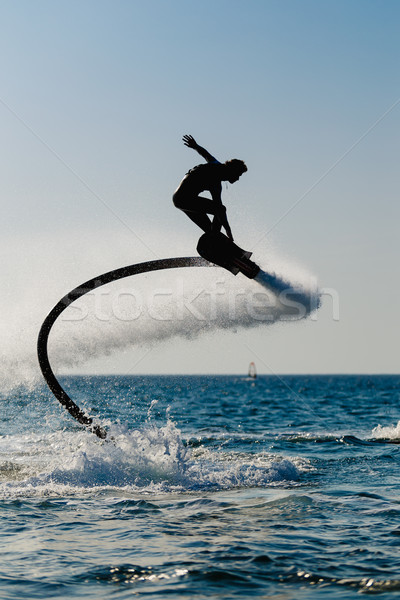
(220, 250)
(213, 248)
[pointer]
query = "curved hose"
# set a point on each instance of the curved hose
(81, 290)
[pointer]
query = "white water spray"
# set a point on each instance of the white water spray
(141, 311)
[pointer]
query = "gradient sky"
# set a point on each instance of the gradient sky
(94, 100)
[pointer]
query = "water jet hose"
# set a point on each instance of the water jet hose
(81, 290)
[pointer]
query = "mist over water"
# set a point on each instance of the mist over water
(144, 310)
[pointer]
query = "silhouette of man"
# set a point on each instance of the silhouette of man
(207, 177)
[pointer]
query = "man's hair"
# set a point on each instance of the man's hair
(236, 165)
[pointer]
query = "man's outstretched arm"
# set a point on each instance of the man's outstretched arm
(189, 141)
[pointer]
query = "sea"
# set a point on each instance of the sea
(278, 487)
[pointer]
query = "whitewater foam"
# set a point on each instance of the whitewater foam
(391, 432)
(147, 460)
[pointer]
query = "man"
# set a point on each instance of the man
(207, 177)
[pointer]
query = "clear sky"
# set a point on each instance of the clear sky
(94, 100)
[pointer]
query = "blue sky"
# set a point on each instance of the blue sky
(95, 98)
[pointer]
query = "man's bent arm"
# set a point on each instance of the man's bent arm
(220, 220)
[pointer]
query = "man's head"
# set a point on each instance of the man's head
(235, 168)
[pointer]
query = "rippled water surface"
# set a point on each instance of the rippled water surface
(210, 487)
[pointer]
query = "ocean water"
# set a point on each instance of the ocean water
(208, 487)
